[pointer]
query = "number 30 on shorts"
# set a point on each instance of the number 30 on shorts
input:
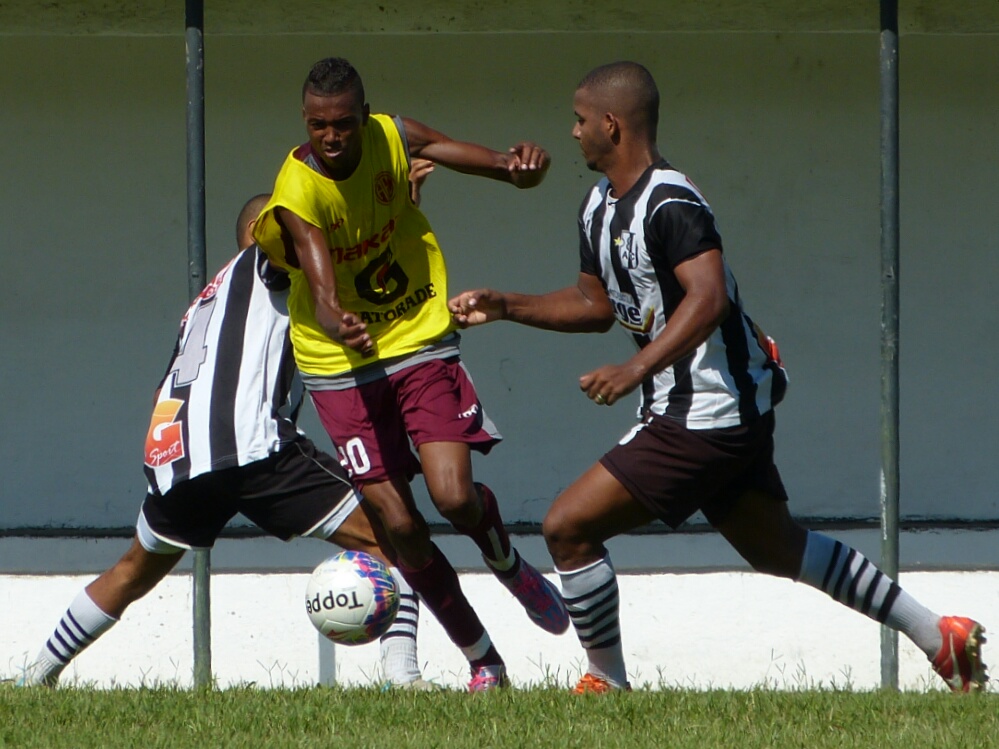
(354, 458)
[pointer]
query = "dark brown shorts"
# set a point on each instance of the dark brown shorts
(674, 471)
(287, 495)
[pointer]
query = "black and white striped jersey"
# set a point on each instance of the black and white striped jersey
(231, 392)
(633, 244)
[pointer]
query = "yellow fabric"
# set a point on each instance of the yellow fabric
(389, 268)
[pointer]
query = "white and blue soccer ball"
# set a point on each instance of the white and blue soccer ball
(352, 598)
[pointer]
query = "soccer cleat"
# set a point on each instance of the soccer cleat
(959, 661)
(416, 685)
(34, 675)
(486, 678)
(539, 597)
(591, 684)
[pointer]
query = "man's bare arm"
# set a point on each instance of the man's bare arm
(583, 308)
(313, 255)
(523, 165)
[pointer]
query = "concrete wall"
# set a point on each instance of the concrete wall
(708, 631)
(779, 130)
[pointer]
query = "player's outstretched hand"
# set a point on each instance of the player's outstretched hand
(528, 164)
(477, 307)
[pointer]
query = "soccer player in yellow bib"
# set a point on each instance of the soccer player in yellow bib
(376, 344)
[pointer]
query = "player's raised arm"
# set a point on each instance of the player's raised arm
(523, 165)
(314, 258)
(583, 308)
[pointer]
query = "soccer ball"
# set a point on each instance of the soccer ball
(352, 598)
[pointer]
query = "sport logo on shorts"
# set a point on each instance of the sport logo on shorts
(384, 187)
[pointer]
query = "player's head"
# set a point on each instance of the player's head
(335, 112)
(247, 218)
(614, 101)
(333, 75)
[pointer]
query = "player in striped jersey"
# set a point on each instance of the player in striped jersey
(651, 258)
(222, 440)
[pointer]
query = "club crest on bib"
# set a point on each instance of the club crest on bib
(384, 187)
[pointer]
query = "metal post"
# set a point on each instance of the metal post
(889, 323)
(327, 661)
(194, 41)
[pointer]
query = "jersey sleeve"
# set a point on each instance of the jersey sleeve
(587, 257)
(681, 229)
(587, 260)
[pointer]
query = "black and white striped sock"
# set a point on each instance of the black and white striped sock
(591, 595)
(82, 623)
(398, 645)
(850, 578)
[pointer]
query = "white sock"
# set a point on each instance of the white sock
(478, 649)
(850, 578)
(398, 645)
(82, 623)
(502, 563)
(591, 595)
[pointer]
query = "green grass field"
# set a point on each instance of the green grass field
(510, 719)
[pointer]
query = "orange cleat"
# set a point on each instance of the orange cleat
(959, 661)
(591, 684)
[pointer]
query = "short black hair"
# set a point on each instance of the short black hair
(630, 86)
(251, 209)
(333, 75)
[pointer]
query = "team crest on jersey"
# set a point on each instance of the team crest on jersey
(165, 439)
(627, 249)
(384, 187)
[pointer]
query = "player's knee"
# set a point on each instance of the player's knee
(460, 508)
(562, 536)
(404, 528)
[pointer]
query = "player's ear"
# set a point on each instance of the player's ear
(612, 125)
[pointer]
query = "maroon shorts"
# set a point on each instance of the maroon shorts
(674, 471)
(372, 425)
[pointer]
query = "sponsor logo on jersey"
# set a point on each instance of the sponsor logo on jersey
(384, 187)
(165, 439)
(410, 301)
(361, 249)
(630, 314)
